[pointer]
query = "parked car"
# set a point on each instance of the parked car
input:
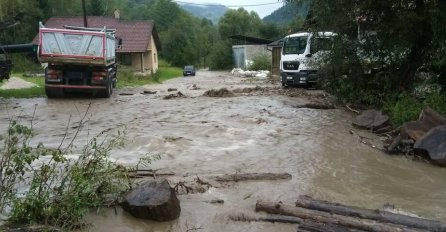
(189, 70)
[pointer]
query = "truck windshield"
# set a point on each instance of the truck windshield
(295, 45)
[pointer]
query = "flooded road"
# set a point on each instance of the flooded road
(252, 132)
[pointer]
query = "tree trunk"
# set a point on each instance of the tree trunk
(382, 216)
(324, 217)
(417, 54)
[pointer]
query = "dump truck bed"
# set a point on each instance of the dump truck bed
(64, 46)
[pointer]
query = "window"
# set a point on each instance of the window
(295, 45)
(154, 57)
(125, 59)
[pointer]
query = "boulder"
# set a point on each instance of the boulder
(434, 143)
(154, 200)
(417, 129)
(371, 119)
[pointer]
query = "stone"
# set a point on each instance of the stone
(434, 143)
(154, 200)
(371, 119)
(417, 129)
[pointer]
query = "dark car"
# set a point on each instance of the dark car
(189, 70)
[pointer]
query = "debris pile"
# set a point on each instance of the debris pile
(263, 74)
(223, 92)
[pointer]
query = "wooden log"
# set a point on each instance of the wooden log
(377, 215)
(252, 176)
(324, 217)
(268, 218)
(312, 226)
(304, 225)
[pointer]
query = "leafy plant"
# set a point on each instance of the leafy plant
(47, 186)
(260, 62)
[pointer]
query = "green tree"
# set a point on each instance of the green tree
(239, 22)
(96, 8)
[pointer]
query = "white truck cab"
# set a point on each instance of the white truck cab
(301, 56)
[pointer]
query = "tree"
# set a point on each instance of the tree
(96, 8)
(404, 36)
(239, 22)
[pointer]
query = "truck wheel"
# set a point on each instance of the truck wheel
(53, 92)
(108, 89)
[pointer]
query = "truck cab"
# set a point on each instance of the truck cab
(301, 57)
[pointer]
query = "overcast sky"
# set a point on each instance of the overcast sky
(262, 10)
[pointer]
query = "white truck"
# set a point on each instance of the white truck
(78, 59)
(301, 56)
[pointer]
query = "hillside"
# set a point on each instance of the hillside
(286, 13)
(211, 12)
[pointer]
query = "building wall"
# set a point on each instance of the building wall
(144, 62)
(244, 54)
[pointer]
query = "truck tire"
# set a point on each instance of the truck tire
(54, 92)
(107, 92)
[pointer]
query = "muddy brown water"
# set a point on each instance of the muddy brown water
(199, 135)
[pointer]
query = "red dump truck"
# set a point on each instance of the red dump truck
(78, 59)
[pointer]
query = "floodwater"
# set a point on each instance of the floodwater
(201, 136)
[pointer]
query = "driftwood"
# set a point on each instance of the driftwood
(141, 173)
(253, 176)
(267, 218)
(362, 139)
(317, 106)
(377, 215)
(312, 226)
(328, 218)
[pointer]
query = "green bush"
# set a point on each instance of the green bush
(260, 62)
(402, 109)
(25, 63)
(44, 186)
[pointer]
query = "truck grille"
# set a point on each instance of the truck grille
(291, 65)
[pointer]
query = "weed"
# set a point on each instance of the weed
(41, 185)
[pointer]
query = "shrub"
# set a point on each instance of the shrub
(56, 190)
(25, 63)
(402, 109)
(260, 62)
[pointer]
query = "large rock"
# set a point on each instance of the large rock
(417, 129)
(154, 200)
(434, 143)
(371, 119)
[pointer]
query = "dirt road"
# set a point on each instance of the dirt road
(250, 131)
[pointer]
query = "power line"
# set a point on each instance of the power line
(208, 4)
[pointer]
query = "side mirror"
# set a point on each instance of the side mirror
(309, 55)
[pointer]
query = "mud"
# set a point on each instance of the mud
(223, 92)
(258, 131)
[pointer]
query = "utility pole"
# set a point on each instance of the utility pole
(85, 13)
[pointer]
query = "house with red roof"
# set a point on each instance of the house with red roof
(140, 41)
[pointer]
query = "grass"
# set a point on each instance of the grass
(126, 78)
(37, 91)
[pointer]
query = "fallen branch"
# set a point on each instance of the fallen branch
(363, 141)
(378, 215)
(324, 217)
(252, 176)
(351, 109)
